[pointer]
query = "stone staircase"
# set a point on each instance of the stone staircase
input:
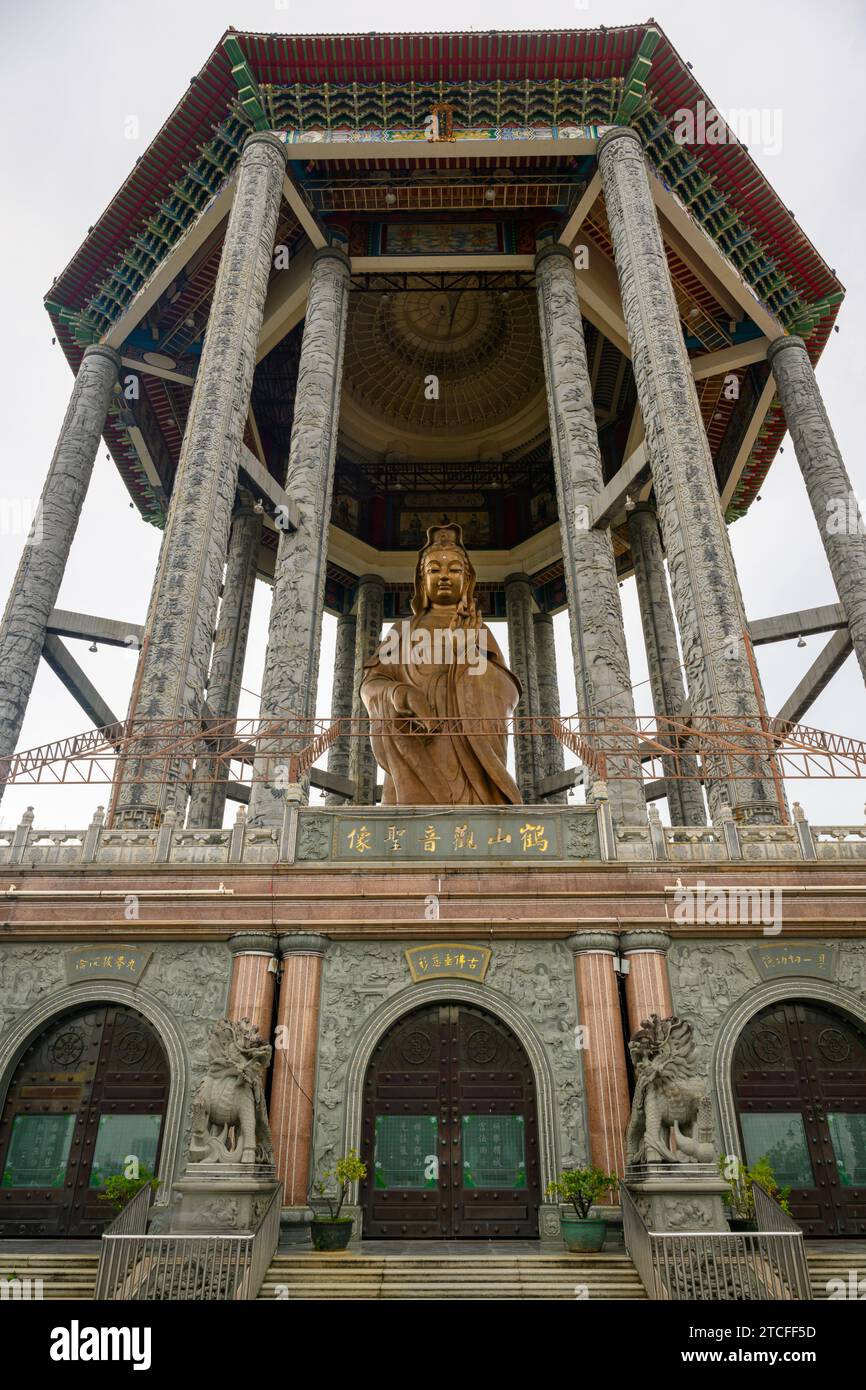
(63, 1275)
(72, 1275)
(838, 1261)
(449, 1276)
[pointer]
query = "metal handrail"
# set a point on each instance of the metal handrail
(638, 1243)
(769, 1263)
(136, 1266)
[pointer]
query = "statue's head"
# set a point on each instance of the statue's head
(444, 574)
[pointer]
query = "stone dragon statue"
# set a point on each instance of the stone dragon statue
(671, 1116)
(229, 1119)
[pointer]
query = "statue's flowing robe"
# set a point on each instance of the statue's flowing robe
(443, 769)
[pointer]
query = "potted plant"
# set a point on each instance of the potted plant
(119, 1190)
(333, 1232)
(581, 1187)
(740, 1199)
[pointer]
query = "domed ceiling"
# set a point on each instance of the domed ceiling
(482, 348)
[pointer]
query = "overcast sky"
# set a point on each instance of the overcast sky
(76, 70)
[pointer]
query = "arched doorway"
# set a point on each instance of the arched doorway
(799, 1077)
(449, 1131)
(88, 1092)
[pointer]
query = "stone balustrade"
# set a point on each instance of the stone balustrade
(507, 835)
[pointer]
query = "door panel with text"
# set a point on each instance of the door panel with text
(449, 1130)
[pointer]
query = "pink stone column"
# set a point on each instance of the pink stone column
(605, 1078)
(647, 984)
(253, 984)
(296, 1041)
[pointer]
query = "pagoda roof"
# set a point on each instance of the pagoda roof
(249, 79)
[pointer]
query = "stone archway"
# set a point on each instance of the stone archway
(483, 997)
(28, 1026)
(790, 1074)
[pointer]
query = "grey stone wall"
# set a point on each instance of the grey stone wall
(537, 977)
(709, 977)
(190, 981)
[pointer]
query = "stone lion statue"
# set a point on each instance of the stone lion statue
(671, 1116)
(229, 1119)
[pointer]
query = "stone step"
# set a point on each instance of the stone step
(346, 1275)
(825, 1266)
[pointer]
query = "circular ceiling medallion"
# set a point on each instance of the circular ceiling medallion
(443, 360)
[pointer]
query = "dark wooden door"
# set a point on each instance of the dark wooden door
(449, 1130)
(800, 1086)
(87, 1095)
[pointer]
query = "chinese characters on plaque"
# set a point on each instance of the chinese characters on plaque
(527, 835)
(813, 958)
(106, 963)
(449, 961)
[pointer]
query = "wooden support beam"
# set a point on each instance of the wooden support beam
(266, 486)
(588, 199)
(286, 302)
(560, 781)
(331, 782)
(673, 214)
(819, 674)
(495, 261)
(300, 207)
(206, 224)
(111, 632)
(167, 373)
(802, 623)
(729, 359)
(759, 415)
(79, 685)
(613, 495)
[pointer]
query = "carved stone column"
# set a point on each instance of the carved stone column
(521, 652)
(369, 617)
(685, 798)
(174, 661)
(208, 799)
(602, 1047)
(601, 671)
(553, 760)
(834, 503)
(706, 591)
(40, 571)
(251, 993)
(647, 984)
(296, 1044)
(292, 663)
(341, 698)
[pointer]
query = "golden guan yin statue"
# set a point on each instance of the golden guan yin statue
(443, 663)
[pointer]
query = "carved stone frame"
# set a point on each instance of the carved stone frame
(464, 992)
(735, 1020)
(28, 1025)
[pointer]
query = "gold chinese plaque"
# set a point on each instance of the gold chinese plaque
(447, 961)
